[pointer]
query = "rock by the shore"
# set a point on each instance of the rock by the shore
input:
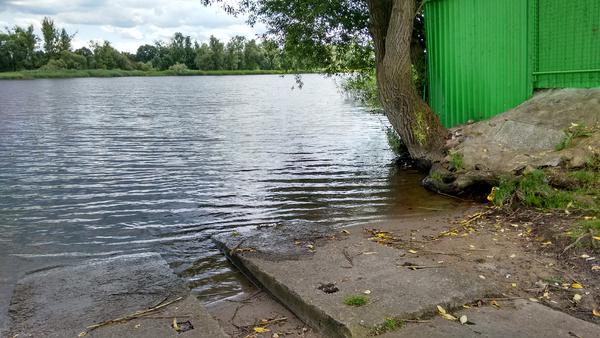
(521, 139)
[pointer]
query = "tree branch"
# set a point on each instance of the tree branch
(379, 19)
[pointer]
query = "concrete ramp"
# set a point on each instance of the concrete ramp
(350, 264)
(65, 301)
(315, 271)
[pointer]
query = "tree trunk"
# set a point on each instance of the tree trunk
(391, 25)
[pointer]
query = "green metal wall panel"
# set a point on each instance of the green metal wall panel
(567, 38)
(477, 56)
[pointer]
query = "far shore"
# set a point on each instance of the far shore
(62, 74)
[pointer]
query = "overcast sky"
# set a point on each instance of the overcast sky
(127, 23)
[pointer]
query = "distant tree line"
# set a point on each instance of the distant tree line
(21, 49)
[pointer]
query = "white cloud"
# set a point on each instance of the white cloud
(128, 23)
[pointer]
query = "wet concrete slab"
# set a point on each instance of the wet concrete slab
(239, 315)
(325, 266)
(354, 265)
(65, 301)
(517, 319)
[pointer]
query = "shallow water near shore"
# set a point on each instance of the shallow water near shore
(94, 168)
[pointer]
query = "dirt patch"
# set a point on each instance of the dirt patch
(522, 253)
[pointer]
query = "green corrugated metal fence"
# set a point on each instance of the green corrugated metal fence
(477, 52)
(487, 56)
(567, 38)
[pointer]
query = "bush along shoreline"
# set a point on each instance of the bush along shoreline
(106, 73)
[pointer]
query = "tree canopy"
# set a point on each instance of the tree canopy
(21, 49)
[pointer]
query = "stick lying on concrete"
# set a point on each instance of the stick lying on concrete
(127, 318)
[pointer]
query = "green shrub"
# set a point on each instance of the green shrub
(394, 141)
(72, 60)
(362, 87)
(144, 66)
(179, 68)
(54, 64)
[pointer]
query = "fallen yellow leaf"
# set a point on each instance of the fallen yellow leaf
(175, 325)
(448, 316)
(596, 238)
(412, 251)
(492, 194)
(494, 303)
(441, 310)
(596, 268)
(383, 235)
(576, 285)
(596, 312)
(259, 329)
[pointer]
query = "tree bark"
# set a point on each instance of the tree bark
(391, 25)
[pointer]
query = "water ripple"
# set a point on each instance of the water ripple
(102, 167)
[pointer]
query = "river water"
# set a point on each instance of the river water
(101, 167)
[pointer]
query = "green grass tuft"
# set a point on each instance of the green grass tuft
(388, 325)
(504, 191)
(573, 132)
(436, 176)
(356, 300)
(456, 160)
(584, 227)
(534, 190)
